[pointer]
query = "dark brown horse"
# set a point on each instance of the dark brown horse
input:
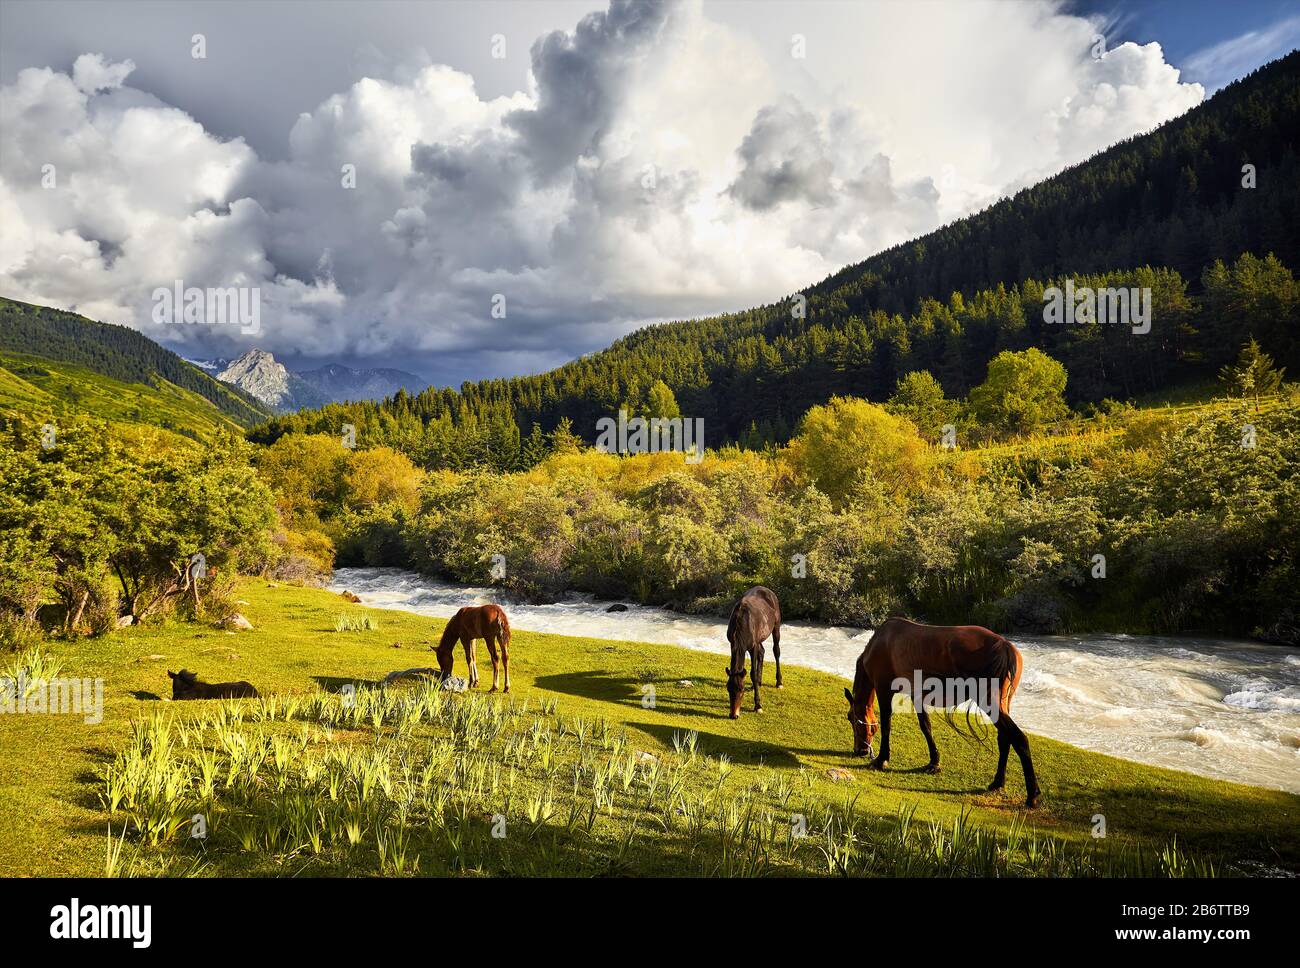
(943, 663)
(756, 616)
(186, 685)
(487, 622)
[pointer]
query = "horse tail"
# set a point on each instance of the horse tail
(1005, 666)
(503, 627)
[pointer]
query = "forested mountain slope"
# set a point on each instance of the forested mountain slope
(1158, 210)
(74, 360)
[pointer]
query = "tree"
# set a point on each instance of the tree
(919, 397)
(1022, 392)
(533, 449)
(306, 473)
(661, 402)
(563, 439)
(381, 475)
(1253, 375)
(1254, 297)
(849, 442)
(107, 520)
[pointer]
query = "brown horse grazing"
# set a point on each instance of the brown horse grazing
(756, 616)
(186, 685)
(487, 622)
(954, 661)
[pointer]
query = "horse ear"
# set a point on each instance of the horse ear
(171, 674)
(848, 695)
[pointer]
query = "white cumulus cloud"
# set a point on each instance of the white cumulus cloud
(661, 163)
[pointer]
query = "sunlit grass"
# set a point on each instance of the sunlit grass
(328, 774)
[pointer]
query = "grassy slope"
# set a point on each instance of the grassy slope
(65, 387)
(51, 822)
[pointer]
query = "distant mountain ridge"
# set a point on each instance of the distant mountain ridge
(338, 383)
(261, 375)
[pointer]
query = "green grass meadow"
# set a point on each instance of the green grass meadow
(575, 772)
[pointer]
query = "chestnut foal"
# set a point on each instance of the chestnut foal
(487, 622)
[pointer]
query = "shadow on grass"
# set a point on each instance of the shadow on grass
(627, 691)
(739, 749)
(90, 780)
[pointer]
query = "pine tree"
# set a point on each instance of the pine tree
(1253, 375)
(533, 451)
(563, 439)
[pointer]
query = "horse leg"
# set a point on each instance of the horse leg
(923, 719)
(881, 762)
(1021, 742)
(756, 677)
(1004, 747)
(496, 661)
(776, 653)
(505, 660)
(471, 662)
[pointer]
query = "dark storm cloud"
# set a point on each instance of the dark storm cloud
(785, 157)
(580, 80)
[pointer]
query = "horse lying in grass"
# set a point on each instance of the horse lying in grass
(756, 616)
(486, 622)
(906, 656)
(186, 685)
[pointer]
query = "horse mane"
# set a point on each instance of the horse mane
(452, 631)
(187, 676)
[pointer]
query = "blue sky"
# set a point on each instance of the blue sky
(1211, 41)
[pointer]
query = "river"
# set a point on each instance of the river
(1221, 708)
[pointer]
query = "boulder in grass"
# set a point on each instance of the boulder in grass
(237, 621)
(424, 672)
(125, 620)
(450, 683)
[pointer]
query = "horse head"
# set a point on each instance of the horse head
(736, 688)
(185, 684)
(863, 723)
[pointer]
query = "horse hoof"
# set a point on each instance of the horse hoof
(995, 786)
(933, 768)
(1032, 801)
(759, 709)
(879, 764)
(493, 689)
(735, 715)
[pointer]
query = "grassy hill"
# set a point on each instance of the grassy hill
(53, 362)
(589, 776)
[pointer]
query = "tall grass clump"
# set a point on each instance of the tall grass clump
(417, 781)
